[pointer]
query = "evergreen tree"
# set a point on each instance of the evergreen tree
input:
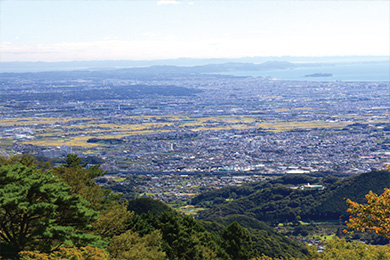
(237, 242)
(81, 180)
(39, 212)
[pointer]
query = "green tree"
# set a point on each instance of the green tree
(131, 246)
(147, 205)
(185, 238)
(81, 180)
(39, 212)
(237, 242)
(73, 161)
(25, 159)
(113, 221)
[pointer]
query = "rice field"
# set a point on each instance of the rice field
(76, 132)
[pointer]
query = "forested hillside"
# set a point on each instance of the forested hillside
(285, 200)
(62, 213)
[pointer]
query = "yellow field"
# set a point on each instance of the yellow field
(76, 131)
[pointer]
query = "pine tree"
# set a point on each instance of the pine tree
(38, 211)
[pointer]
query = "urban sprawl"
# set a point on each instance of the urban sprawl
(198, 123)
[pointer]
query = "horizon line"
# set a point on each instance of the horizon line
(211, 58)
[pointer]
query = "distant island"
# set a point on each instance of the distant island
(319, 75)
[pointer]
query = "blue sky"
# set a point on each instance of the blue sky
(67, 30)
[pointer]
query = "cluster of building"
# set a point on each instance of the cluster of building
(294, 126)
(61, 151)
(312, 151)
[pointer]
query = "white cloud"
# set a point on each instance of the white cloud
(168, 2)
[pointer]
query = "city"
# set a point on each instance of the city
(197, 123)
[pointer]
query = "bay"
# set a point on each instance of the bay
(368, 71)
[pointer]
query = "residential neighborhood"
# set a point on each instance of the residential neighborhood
(199, 123)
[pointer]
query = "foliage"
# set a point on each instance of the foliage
(33, 255)
(295, 179)
(208, 198)
(339, 249)
(147, 205)
(130, 245)
(60, 211)
(127, 191)
(82, 253)
(373, 217)
(246, 222)
(237, 242)
(272, 245)
(112, 221)
(25, 159)
(355, 188)
(275, 202)
(183, 237)
(81, 180)
(38, 211)
(265, 257)
(142, 224)
(265, 240)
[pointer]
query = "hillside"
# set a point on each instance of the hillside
(153, 214)
(276, 201)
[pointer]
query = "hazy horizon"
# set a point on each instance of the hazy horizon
(60, 31)
(268, 58)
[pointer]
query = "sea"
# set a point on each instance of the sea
(341, 71)
(367, 71)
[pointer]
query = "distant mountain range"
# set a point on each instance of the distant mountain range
(159, 69)
(238, 64)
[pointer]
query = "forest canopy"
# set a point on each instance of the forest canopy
(62, 213)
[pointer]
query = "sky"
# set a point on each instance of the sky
(78, 30)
